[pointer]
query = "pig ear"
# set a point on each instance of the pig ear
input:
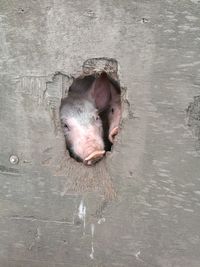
(101, 92)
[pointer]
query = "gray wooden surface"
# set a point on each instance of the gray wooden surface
(139, 206)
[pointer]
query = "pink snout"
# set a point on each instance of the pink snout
(94, 157)
(89, 149)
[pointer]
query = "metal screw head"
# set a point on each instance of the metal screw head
(14, 159)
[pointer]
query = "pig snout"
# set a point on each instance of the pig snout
(112, 134)
(94, 157)
(114, 118)
(89, 149)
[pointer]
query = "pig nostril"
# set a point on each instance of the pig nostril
(66, 127)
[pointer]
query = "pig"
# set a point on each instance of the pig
(89, 115)
(114, 111)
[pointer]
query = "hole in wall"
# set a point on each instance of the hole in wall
(90, 115)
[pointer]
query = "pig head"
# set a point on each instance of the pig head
(80, 114)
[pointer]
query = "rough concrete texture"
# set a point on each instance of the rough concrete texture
(139, 206)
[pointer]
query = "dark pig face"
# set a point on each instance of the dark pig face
(82, 126)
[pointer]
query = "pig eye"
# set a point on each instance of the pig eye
(66, 126)
(112, 110)
(97, 118)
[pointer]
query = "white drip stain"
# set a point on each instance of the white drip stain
(92, 243)
(137, 255)
(82, 213)
(102, 220)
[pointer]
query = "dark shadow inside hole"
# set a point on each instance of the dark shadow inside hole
(88, 96)
(105, 123)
